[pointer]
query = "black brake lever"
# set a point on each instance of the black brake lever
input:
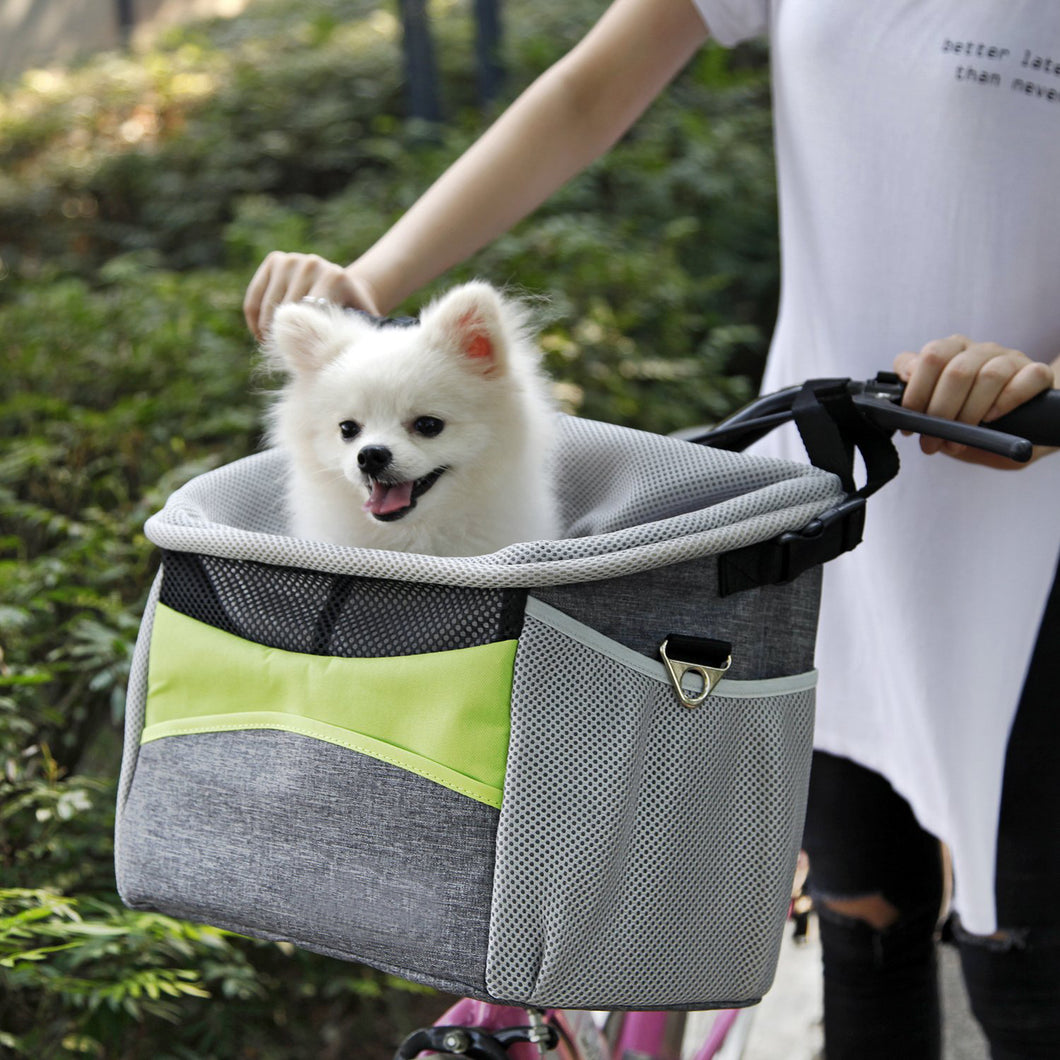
(883, 413)
(1035, 422)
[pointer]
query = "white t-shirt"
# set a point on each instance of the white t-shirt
(918, 151)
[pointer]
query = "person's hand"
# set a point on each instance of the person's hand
(284, 277)
(973, 382)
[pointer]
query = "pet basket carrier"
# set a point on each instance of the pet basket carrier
(478, 773)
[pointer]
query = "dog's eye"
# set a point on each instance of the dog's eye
(349, 430)
(428, 426)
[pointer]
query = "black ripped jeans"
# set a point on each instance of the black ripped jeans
(881, 993)
(880, 988)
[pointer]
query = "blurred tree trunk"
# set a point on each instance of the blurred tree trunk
(421, 68)
(488, 50)
(126, 20)
(421, 72)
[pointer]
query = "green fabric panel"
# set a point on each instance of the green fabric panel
(444, 715)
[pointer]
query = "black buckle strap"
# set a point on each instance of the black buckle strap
(784, 558)
(832, 430)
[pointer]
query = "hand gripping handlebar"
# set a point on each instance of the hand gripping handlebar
(878, 402)
(835, 417)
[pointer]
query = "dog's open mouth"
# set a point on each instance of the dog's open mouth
(388, 501)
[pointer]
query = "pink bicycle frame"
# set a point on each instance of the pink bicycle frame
(642, 1036)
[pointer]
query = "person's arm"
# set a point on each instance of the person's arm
(974, 382)
(570, 116)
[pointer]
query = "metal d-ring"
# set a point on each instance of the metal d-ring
(709, 675)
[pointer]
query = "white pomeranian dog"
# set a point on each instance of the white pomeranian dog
(431, 436)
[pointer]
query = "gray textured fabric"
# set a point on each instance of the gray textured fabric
(772, 628)
(732, 687)
(631, 501)
(282, 837)
(136, 704)
(645, 851)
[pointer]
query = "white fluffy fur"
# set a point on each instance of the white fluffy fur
(469, 363)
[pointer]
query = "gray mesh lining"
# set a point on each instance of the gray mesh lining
(631, 501)
(645, 852)
(336, 614)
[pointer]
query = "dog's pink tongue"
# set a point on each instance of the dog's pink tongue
(388, 497)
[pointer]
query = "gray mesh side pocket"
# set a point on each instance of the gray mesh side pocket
(645, 852)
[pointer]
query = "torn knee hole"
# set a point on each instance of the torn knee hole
(873, 909)
(1004, 940)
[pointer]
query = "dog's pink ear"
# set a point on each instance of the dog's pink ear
(302, 337)
(468, 322)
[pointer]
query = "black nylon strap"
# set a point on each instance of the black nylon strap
(701, 651)
(784, 558)
(825, 444)
(832, 430)
(384, 322)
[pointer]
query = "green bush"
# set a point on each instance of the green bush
(284, 128)
(114, 395)
(137, 194)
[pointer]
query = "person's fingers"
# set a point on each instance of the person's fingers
(925, 372)
(267, 289)
(958, 379)
(340, 288)
(290, 277)
(926, 367)
(904, 364)
(973, 379)
(328, 282)
(1030, 380)
(255, 294)
(970, 385)
(301, 276)
(274, 295)
(282, 277)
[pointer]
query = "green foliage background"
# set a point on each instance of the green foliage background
(137, 194)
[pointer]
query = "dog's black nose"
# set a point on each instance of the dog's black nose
(373, 458)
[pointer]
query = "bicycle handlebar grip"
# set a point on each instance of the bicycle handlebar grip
(1037, 420)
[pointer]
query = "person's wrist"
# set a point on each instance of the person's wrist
(363, 291)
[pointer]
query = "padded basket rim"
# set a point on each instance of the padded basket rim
(781, 496)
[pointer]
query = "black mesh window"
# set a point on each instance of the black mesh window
(336, 614)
